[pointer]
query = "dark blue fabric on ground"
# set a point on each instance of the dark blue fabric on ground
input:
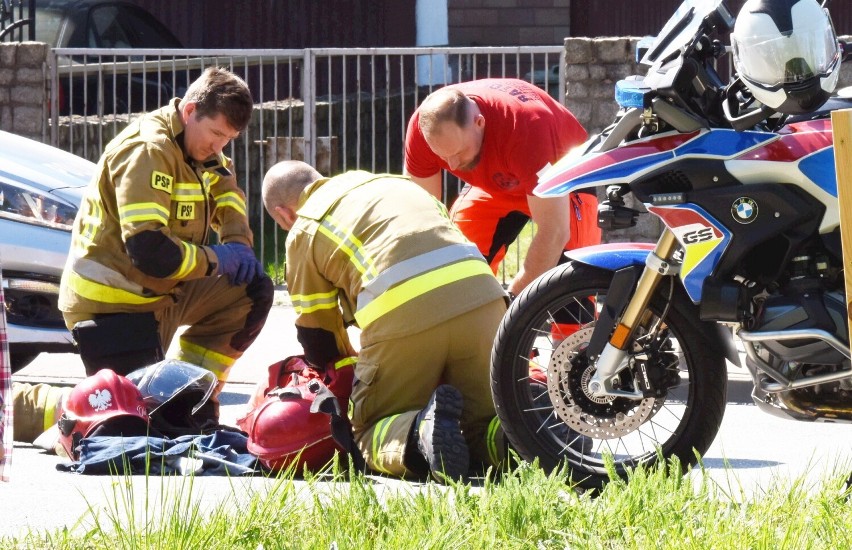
(220, 453)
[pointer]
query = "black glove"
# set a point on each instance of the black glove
(238, 262)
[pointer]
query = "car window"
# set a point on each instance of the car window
(48, 25)
(146, 32)
(105, 30)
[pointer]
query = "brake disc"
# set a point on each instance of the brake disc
(607, 417)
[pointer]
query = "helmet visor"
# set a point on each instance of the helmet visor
(774, 59)
(161, 382)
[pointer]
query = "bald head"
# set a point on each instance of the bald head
(453, 126)
(444, 105)
(282, 186)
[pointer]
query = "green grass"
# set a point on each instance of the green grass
(525, 509)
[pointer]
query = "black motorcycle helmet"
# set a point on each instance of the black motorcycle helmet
(176, 394)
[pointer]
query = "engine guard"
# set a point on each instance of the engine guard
(615, 256)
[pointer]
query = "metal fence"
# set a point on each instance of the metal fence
(335, 108)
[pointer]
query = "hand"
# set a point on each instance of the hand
(238, 262)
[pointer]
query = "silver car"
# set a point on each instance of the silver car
(41, 188)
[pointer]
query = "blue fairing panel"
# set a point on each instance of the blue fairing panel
(616, 256)
(612, 256)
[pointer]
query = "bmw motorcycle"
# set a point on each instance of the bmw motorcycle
(620, 354)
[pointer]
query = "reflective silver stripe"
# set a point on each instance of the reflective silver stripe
(188, 192)
(99, 273)
(143, 212)
(412, 267)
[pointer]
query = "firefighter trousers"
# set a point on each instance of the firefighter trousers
(36, 407)
(396, 378)
(221, 320)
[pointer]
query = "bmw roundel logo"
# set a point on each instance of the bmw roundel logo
(744, 210)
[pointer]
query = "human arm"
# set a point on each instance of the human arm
(433, 184)
(143, 180)
(230, 220)
(420, 163)
(551, 216)
(230, 216)
(319, 320)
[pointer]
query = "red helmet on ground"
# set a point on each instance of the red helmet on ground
(283, 431)
(286, 423)
(97, 399)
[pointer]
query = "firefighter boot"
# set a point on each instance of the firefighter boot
(438, 435)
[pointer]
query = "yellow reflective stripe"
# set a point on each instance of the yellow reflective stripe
(313, 302)
(491, 441)
(413, 267)
(143, 212)
(217, 363)
(190, 260)
(210, 178)
(98, 292)
(48, 418)
(91, 221)
(188, 192)
(345, 362)
(379, 434)
(231, 199)
(418, 286)
(351, 245)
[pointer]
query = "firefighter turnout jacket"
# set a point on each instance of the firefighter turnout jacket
(384, 250)
(144, 220)
(380, 252)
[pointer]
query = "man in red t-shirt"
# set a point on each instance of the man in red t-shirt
(496, 135)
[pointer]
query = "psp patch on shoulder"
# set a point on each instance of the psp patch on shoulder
(162, 181)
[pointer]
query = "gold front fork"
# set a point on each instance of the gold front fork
(609, 363)
(657, 266)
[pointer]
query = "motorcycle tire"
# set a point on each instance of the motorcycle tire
(543, 422)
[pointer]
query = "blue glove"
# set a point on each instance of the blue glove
(238, 262)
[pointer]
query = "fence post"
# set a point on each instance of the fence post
(309, 98)
(841, 124)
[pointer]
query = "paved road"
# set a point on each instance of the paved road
(758, 448)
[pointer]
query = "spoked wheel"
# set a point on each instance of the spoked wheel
(540, 380)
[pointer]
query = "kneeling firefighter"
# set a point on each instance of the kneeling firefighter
(141, 264)
(378, 251)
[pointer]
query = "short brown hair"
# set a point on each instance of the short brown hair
(218, 91)
(444, 105)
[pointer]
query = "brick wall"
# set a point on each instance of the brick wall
(23, 89)
(508, 22)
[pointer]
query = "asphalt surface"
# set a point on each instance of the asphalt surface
(752, 451)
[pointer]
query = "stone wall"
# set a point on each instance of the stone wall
(23, 89)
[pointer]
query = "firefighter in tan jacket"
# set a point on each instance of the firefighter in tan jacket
(380, 252)
(140, 265)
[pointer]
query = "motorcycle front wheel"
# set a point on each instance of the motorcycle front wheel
(540, 375)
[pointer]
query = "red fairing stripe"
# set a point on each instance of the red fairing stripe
(616, 156)
(796, 141)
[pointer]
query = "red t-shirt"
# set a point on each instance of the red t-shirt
(524, 130)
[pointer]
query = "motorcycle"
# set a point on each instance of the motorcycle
(617, 358)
